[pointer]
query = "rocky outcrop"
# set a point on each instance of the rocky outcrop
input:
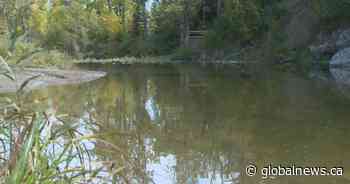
(341, 76)
(340, 62)
(336, 46)
(328, 43)
(341, 59)
(343, 40)
(342, 80)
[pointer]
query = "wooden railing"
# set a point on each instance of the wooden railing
(196, 34)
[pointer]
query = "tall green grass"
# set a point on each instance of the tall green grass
(36, 147)
(37, 150)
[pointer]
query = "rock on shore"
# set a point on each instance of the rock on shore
(341, 59)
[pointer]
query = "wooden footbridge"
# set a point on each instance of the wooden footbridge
(193, 31)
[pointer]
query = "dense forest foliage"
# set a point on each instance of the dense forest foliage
(116, 28)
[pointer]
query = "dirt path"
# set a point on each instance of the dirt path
(46, 77)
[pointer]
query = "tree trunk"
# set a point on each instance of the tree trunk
(124, 16)
(186, 23)
(145, 19)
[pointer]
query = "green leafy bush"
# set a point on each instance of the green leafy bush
(53, 58)
(183, 53)
(165, 27)
(75, 29)
(334, 14)
(334, 9)
(240, 23)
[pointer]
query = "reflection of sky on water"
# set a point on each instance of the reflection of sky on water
(163, 169)
(164, 172)
(191, 142)
(151, 106)
(152, 109)
(82, 128)
(4, 154)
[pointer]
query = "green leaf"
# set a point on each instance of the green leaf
(6, 70)
(18, 174)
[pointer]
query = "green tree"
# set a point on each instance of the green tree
(16, 13)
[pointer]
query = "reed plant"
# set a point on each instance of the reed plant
(38, 147)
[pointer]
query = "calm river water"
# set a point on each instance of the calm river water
(191, 124)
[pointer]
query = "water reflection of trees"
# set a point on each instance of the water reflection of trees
(184, 128)
(213, 123)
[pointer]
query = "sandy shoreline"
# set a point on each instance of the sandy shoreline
(47, 77)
